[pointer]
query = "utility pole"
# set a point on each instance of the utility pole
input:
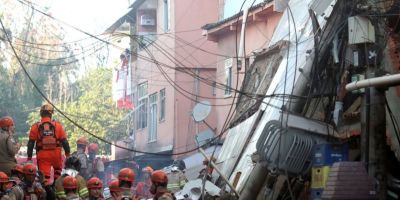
(373, 135)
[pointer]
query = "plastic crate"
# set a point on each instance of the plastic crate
(327, 154)
(319, 177)
(316, 194)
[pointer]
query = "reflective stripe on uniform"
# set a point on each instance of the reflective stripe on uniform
(61, 194)
(172, 186)
(182, 183)
(83, 192)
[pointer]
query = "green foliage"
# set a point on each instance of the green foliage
(87, 101)
(94, 110)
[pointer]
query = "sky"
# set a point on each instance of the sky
(93, 16)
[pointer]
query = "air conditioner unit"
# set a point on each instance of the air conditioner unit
(147, 20)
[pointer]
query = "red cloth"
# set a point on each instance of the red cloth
(125, 103)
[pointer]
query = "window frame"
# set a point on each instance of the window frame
(228, 77)
(167, 15)
(162, 102)
(153, 110)
(142, 109)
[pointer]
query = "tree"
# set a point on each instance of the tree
(94, 110)
(39, 42)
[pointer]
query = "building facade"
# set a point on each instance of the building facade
(173, 68)
(261, 21)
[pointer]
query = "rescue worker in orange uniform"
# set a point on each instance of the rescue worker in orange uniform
(81, 145)
(159, 185)
(143, 187)
(8, 146)
(31, 187)
(95, 165)
(49, 136)
(70, 185)
(126, 177)
(71, 168)
(95, 187)
(114, 190)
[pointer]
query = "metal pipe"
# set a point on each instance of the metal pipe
(219, 172)
(242, 52)
(254, 182)
(388, 80)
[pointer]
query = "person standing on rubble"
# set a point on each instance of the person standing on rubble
(49, 136)
(176, 180)
(95, 165)
(81, 145)
(8, 146)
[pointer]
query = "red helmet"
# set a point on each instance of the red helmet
(148, 169)
(93, 148)
(4, 178)
(82, 141)
(29, 169)
(159, 177)
(126, 174)
(18, 168)
(114, 186)
(6, 122)
(70, 182)
(94, 183)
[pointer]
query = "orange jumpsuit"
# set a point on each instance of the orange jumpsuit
(49, 158)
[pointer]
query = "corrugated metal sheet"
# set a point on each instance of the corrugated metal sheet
(234, 144)
(293, 60)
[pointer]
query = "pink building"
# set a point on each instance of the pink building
(226, 33)
(165, 91)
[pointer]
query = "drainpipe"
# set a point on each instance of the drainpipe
(383, 81)
(255, 182)
(241, 52)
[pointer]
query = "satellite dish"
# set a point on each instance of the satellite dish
(201, 110)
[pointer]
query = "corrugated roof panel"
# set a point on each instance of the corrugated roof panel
(293, 59)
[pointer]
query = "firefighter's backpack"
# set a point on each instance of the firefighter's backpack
(47, 135)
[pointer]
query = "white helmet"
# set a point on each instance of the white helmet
(174, 168)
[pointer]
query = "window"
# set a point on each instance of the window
(167, 16)
(228, 76)
(153, 118)
(162, 104)
(142, 106)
